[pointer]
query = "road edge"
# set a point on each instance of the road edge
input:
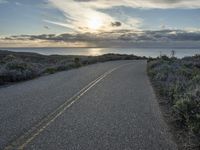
(179, 136)
(157, 100)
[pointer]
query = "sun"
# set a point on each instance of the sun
(95, 23)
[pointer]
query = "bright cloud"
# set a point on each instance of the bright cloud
(82, 14)
(85, 15)
(163, 4)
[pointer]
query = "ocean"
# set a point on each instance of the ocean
(148, 52)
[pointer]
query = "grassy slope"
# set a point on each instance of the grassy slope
(19, 66)
(178, 83)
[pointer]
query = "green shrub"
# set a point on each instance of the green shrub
(50, 70)
(77, 62)
(196, 79)
(9, 58)
(23, 66)
(179, 82)
(187, 111)
(164, 57)
(14, 65)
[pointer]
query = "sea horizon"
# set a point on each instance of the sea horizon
(94, 51)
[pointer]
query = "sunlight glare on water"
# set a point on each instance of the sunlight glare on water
(95, 51)
(148, 52)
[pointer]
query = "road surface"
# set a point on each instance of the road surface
(105, 106)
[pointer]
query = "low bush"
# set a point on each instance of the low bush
(16, 70)
(23, 66)
(178, 81)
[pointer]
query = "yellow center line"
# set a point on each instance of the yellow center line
(31, 134)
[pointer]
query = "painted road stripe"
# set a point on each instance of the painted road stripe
(32, 133)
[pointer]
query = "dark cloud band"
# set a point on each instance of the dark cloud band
(123, 35)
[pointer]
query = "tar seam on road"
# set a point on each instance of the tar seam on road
(32, 133)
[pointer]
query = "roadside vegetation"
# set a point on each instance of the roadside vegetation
(177, 82)
(19, 66)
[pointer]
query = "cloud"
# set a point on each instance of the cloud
(79, 13)
(119, 38)
(46, 27)
(84, 0)
(59, 24)
(116, 24)
(162, 4)
(124, 35)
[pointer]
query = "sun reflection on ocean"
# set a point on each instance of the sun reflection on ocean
(95, 51)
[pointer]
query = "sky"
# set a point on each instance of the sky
(99, 23)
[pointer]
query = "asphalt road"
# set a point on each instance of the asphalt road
(105, 106)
